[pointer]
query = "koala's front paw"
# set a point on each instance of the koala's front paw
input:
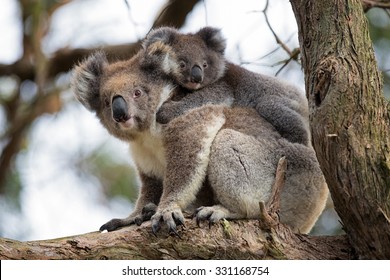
(171, 215)
(168, 111)
(147, 212)
(163, 115)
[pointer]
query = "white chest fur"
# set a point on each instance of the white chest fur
(148, 149)
(149, 154)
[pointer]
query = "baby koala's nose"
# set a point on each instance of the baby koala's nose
(119, 109)
(196, 74)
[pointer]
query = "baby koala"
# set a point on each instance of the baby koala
(196, 62)
(218, 159)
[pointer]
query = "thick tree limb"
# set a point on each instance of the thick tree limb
(349, 118)
(368, 4)
(227, 240)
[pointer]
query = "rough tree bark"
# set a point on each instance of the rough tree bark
(350, 119)
(227, 240)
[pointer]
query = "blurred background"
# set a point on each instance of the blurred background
(61, 173)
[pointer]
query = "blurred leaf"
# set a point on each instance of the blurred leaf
(379, 20)
(117, 178)
(12, 187)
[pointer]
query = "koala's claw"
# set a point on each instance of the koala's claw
(198, 217)
(172, 216)
(156, 226)
(174, 231)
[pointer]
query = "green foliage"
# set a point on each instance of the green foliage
(379, 24)
(12, 187)
(117, 178)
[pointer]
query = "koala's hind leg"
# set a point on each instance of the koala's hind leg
(187, 140)
(241, 172)
(305, 190)
(145, 206)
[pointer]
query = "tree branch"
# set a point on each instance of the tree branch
(269, 213)
(278, 40)
(293, 54)
(368, 4)
(238, 240)
(173, 14)
(274, 203)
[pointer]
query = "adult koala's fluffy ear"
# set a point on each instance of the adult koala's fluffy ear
(158, 50)
(161, 57)
(165, 35)
(213, 38)
(85, 80)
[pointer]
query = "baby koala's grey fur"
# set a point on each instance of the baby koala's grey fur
(196, 62)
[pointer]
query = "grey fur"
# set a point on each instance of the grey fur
(281, 104)
(218, 159)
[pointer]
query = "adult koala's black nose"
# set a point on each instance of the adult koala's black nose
(119, 109)
(196, 74)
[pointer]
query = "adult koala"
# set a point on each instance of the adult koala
(230, 154)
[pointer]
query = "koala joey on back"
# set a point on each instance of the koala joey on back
(216, 159)
(196, 62)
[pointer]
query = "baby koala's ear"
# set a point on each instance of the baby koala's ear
(165, 35)
(213, 39)
(85, 80)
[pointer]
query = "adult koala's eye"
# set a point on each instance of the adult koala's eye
(137, 93)
(205, 65)
(182, 64)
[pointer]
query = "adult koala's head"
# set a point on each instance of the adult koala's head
(124, 95)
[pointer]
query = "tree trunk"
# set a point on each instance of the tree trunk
(226, 240)
(350, 119)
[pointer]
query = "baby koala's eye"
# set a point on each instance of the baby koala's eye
(205, 65)
(182, 64)
(137, 93)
